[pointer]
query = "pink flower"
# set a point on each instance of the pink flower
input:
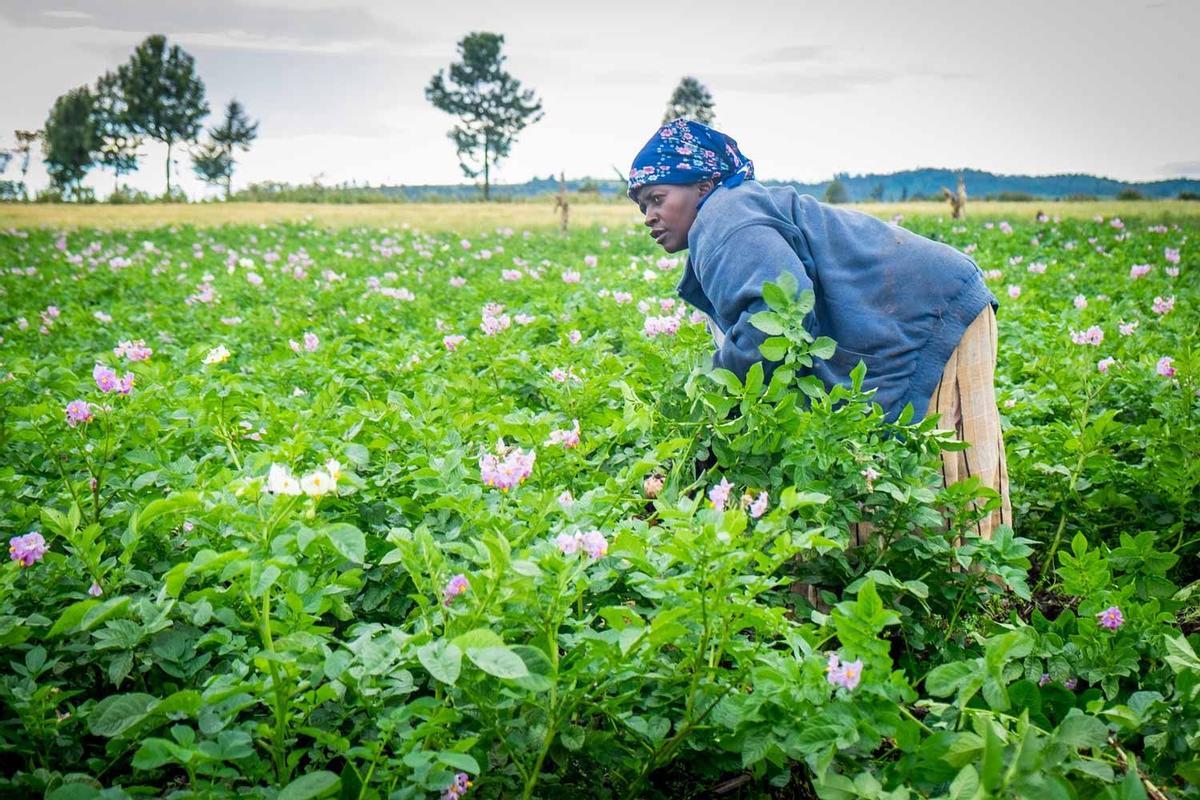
(568, 438)
(455, 791)
(1139, 270)
(1037, 268)
(1080, 301)
(1111, 618)
(1116, 223)
(1127, 328)
(575, 337)
(1166, 367)
(568, 543)
(78, 411)
(1171, 255)
(27, 550)
(311, 342)
(571, 276)
(1172, 272)
(452, 341)
(653, 327)
(105, 378)
(1093, 336)
(509, 468)
(871, 476)
(719, 494)
(454, 587)
(594, 544)
(1164, 305)
(590, 260)
(1103, 364)
(458, 282)
(511, 275)
(94, 590)
(844, 675)
(1014, 291)
(134, 351)
(759, 506)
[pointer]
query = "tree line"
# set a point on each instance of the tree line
(155, 96)
(158, 96)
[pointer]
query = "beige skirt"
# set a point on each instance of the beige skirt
(965, 400)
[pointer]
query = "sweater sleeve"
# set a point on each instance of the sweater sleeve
(733, 278)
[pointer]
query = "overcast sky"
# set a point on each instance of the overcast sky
(1106, 87)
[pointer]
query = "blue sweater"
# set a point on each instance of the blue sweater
(898, 301)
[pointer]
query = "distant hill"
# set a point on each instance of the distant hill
(897, 186)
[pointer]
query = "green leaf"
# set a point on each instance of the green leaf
(357, 455)
(347, 540)
(70, 618)
(480, 637)
(775, 296)
(498, 661)
(118, 713)
(823, 347)
(965, 785)
(314, 784)
(727, 379)
(460, 761)
(945, 680)
(443, 660)
(1082, 730)
(1180, 654)
(768, 322)
(774, 348)
(154, 753)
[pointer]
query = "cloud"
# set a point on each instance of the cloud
(793, 54)
(806, 82)
(1187, 169)
(226, 23)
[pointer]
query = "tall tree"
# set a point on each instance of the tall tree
(491, 107)
(214, 162)
(70, 139)
(164, 96)
(691, 99)
(118, 143)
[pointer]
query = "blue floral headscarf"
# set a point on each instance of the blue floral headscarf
(683, 152)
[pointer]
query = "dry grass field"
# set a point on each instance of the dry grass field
(467, 217)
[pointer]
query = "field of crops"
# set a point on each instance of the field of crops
(369, 512)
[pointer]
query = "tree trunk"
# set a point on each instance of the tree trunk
(228, 186)
(486, 194)
(168, 168)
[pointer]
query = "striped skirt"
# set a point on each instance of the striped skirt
(965, 400)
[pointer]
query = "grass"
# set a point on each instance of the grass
(468, 217)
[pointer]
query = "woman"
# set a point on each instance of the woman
(915, 311)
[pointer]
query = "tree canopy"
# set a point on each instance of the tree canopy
(489, 103)
(70, 139)
(691, 100)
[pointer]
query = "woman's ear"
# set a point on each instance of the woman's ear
(705, 186)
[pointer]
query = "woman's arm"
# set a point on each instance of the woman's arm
(732, 277)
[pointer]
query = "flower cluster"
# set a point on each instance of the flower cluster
(1166, 367)
(571, 276)
(134, 351)
(452, 341)
(27, 550)
(78, 411)
(1093, 336)
(1163, 305)
(719, 494)
(845, 675)
(507, 468)
(660, 326)
(217, 355)
(454, 587)
(311, 343)
(568, 437)
(107, 380)
(593, 543)
(494, 319)
(315, 484)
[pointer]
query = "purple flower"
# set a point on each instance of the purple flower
(94, 590)
(719, 494)
(462, 782)
(1111, 618)
(1166, 367)
(456, 586)
(845, 675)
(78, 411)
(759, 506)
(1071, 683)
(27, 550)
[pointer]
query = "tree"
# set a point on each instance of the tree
(836, 192)
(691, 99)
(214, 162)
(491, 107)
(164, 97)
(118, 143)
(70, 139)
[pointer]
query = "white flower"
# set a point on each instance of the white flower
(280, 481)
(217, 355)
(316, 483)
(333, 468)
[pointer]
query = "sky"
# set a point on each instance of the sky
(807, 89)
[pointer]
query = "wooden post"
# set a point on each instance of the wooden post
(561, 204)
(958, 200)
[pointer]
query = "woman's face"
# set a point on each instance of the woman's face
(670, 211)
